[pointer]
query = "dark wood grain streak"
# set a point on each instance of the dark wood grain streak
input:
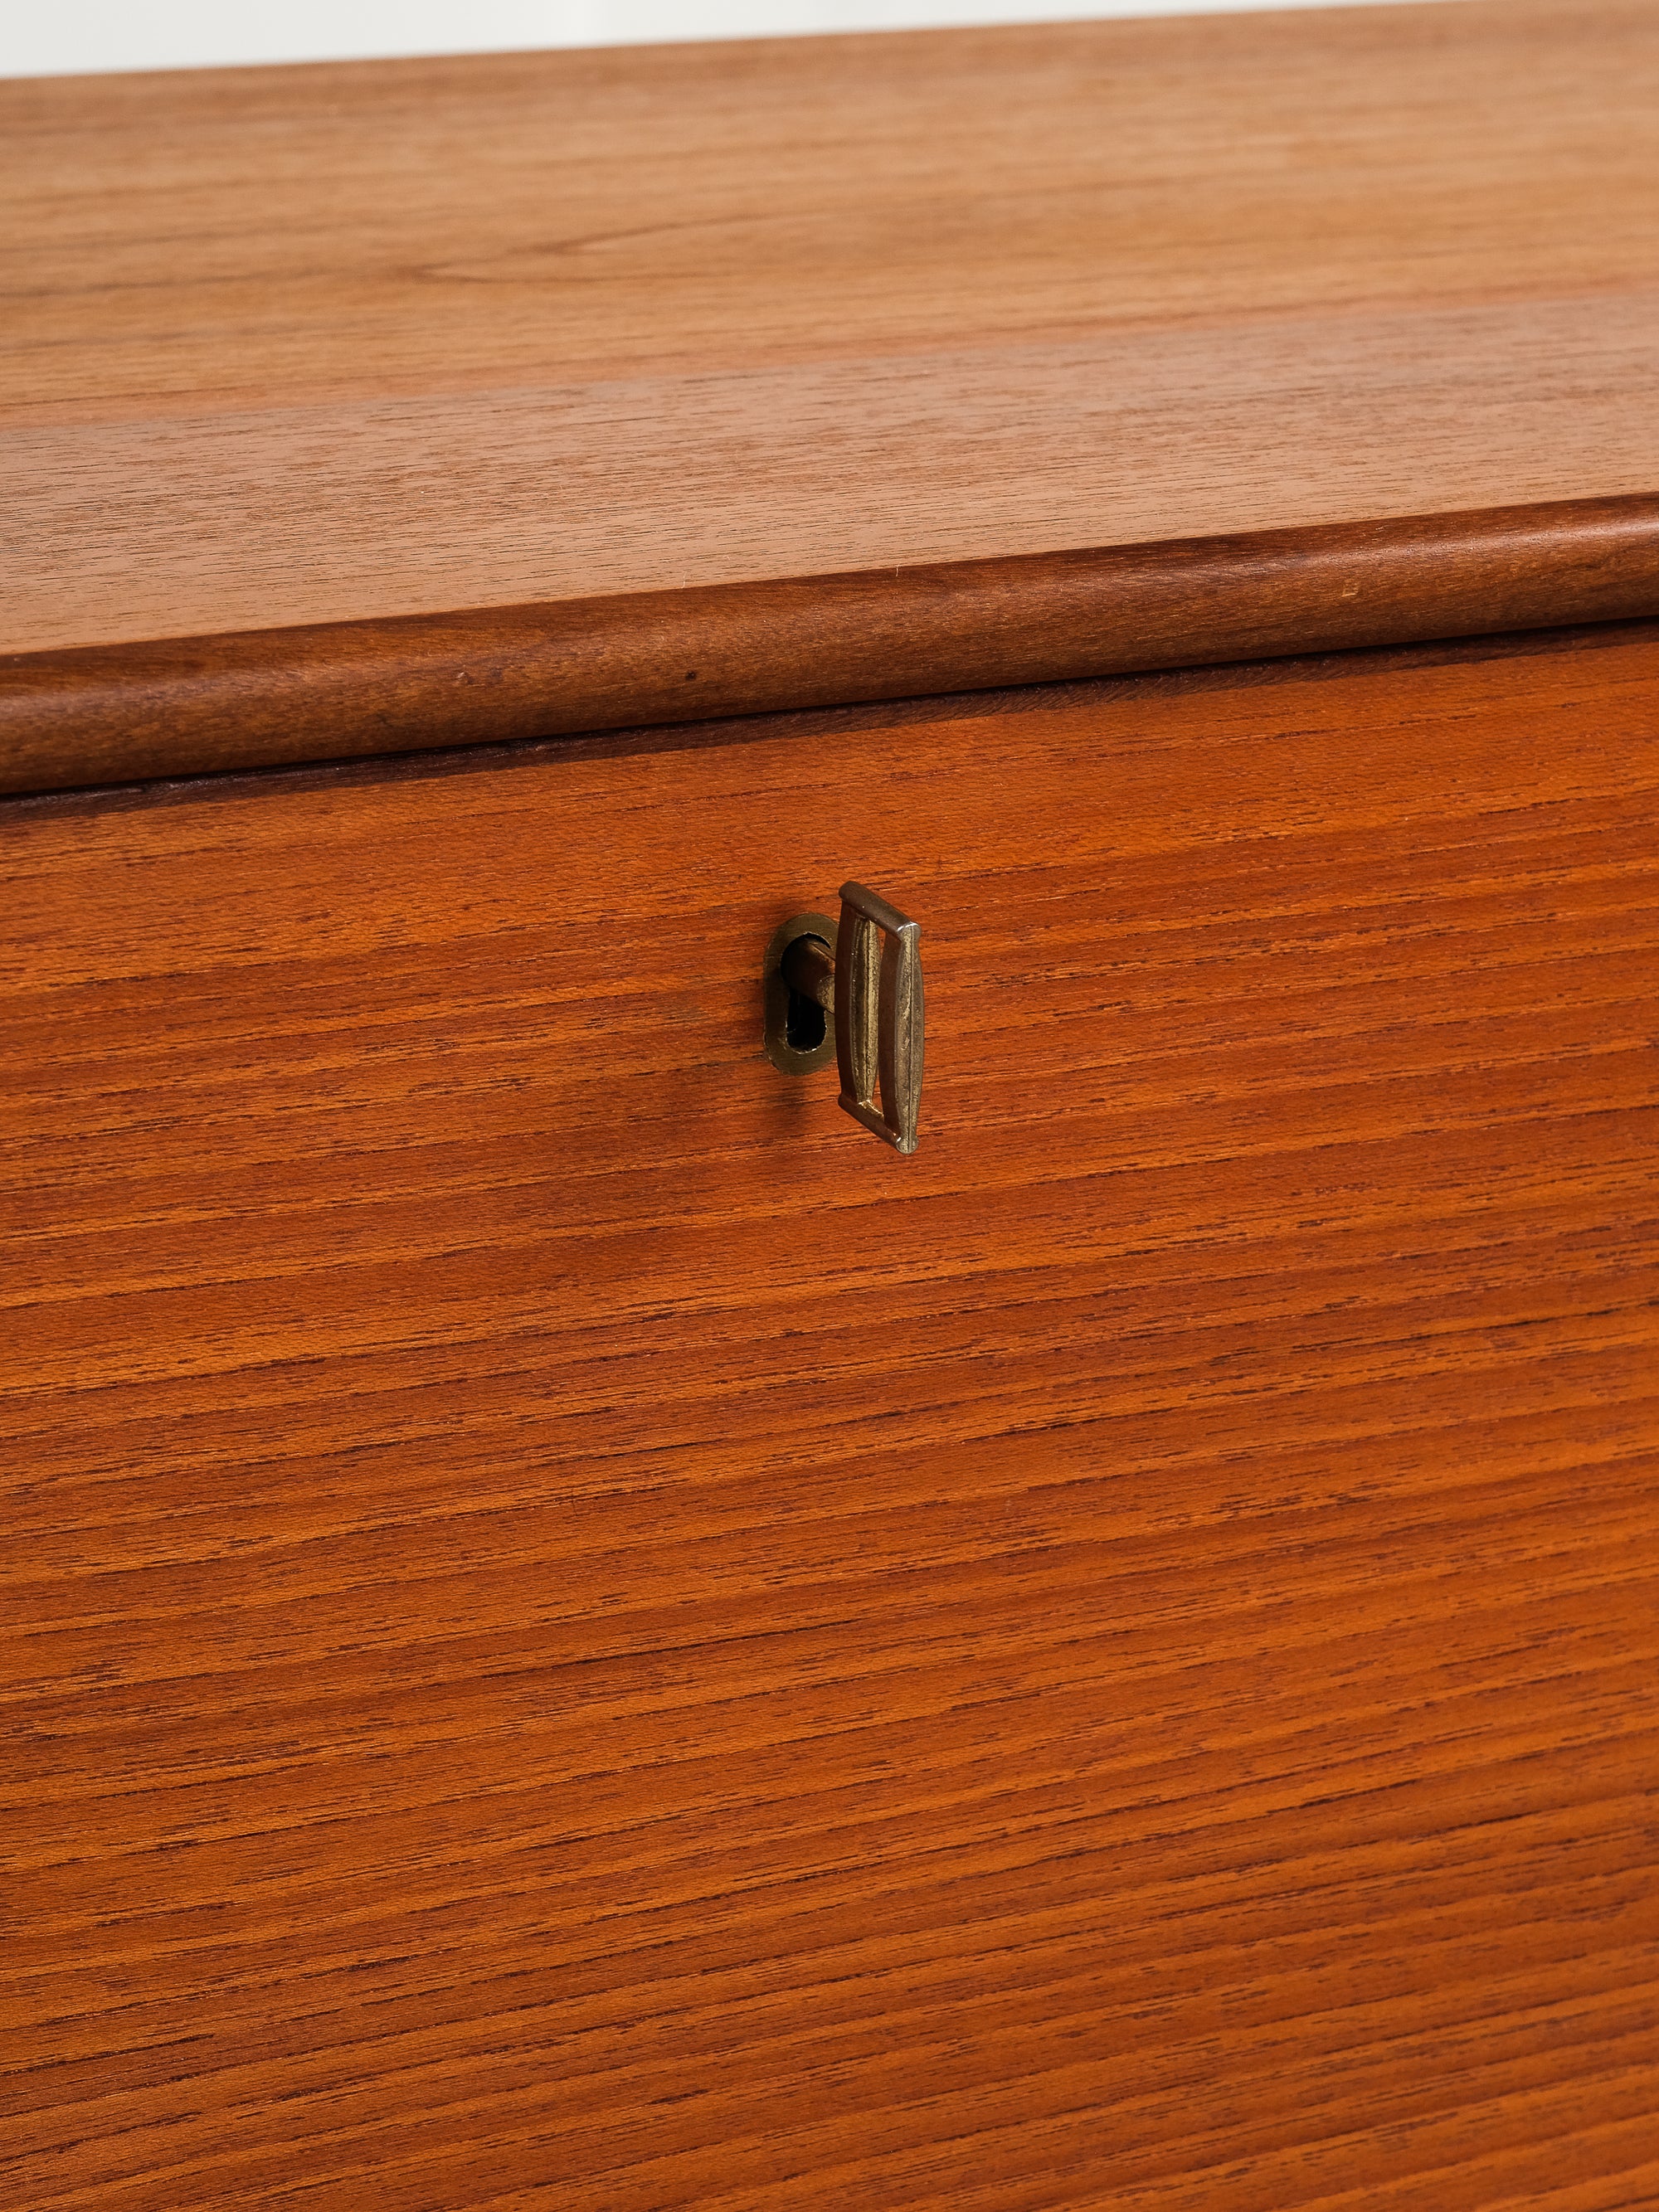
(577, 1633)
(337, 690)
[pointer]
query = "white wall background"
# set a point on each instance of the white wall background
(44, 38)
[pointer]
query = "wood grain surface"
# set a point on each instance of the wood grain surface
(107, 714)
(290, 347)
(579, 1633)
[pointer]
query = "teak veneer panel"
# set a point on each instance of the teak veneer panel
(291, 348)
(577, 1634)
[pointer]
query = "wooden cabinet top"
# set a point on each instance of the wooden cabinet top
(359, 407)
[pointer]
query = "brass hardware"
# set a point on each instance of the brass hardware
(867, 972)
(879, 1015)
(798, 1038)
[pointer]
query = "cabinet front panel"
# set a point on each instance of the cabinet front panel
(578, 1632)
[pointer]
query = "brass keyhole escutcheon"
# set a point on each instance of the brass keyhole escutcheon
(796, 1044)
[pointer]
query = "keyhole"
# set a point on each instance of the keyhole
(804, 1023)
(798, 1035)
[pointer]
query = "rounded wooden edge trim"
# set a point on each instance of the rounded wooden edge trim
(421, 683)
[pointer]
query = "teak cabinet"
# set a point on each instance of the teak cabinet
(578, 1632)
